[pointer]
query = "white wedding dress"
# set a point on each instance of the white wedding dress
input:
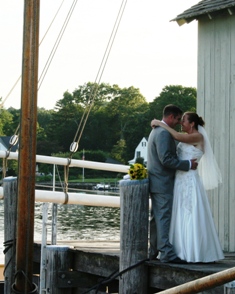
(192, 230)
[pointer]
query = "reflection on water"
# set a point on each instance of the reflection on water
(82, 222)
(74, 222)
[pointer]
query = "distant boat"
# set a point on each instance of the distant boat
(102, 186)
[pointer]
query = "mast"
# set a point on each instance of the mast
(27, 150)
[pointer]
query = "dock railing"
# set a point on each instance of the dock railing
(68, 197)
(208, 282)
(92, 200)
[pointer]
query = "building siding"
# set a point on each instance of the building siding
(216, 104)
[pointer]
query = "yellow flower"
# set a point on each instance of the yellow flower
(137, 171)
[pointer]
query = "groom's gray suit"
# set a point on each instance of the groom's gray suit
(161, 164)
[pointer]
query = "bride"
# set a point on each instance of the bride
(192, 230)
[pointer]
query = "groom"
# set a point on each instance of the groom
(162, 164)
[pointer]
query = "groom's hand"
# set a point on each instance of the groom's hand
(194, 164)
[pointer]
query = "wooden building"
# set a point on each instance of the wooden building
(216, 101)
(141, 151)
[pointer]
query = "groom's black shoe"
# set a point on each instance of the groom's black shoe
(153, 256)
(177, 260)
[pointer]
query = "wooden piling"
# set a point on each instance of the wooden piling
(134, 199)
(58, 260)
(10, 207)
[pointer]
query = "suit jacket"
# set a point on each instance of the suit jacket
(162, 161)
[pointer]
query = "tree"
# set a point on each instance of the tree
(124, 107)
(119, 150)
(94, 99)
(5, 123)
(14, 125)
(64, 122)
(183, 97)
(93, 93)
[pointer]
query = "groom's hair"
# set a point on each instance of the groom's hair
(172, 109)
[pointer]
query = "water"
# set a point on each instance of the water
(74, 222)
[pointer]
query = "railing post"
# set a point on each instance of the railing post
(134, 207)
(10, 215)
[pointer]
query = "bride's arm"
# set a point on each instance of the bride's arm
(181, 137)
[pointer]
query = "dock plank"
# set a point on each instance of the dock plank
(101, 258)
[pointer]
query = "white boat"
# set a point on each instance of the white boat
(102, 186)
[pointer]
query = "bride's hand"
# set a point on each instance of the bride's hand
(155, 123)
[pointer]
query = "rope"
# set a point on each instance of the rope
(53, 51)
(31, 284)
(61, 183)
(12, 142)
(114, 275)
(51, 22)
(4, 100)
(99, 74)
(66, 178)
(4, 165)
(8, 245)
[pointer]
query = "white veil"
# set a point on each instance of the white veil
(208, 168)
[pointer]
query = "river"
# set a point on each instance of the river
(74, 222)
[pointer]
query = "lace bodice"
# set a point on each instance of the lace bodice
(186, 151)
(185, 181)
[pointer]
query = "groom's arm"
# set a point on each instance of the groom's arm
(167, 153)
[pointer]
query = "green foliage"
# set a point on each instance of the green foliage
(47, 178)
(117, 119)
(91, 155)
(5, 122)
(11, 167)
(139, 160)
(118, 151)
(183, 97)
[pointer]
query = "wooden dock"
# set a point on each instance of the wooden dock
(81, 267)
(93, 261)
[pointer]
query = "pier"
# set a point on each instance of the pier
(100, 266)
(92, 262)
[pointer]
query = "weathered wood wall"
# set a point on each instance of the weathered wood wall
(216, 104)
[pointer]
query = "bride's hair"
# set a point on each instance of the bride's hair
(193, 117)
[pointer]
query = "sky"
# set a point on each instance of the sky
(149, 51)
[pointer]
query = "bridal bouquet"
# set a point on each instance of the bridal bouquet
(137, 171)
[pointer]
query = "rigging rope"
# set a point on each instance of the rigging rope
(4, 100)
(13, 141)
(91, 99)
(53, 51)
(95, 88)
(43, 74)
